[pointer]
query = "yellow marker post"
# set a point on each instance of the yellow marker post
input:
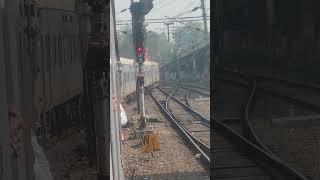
(150, 143)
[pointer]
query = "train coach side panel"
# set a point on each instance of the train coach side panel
(63, 74)
(129, 74)
(128, 79)
(67, 83)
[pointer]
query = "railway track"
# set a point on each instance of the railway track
(194, 127)
(295, 134)
(234, 157)
(306, 94)
(274, 103)
(197, 89)
(248, 132)
(197, 98)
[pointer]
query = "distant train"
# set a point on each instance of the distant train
(129, 75)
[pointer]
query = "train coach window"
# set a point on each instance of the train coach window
(54, 49)
(58, 51)
(67, 18)
(67, 49)
(77, 55)
(74, 48)
(69, 46)
(43, 51)
(62, 49)
(25, 9)
(78, 59)
(71, 49)
(74, 60)
(40, 54)
(32, 14)
(21, 9)
(48, 57)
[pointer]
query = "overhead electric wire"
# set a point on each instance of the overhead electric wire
(191, 4)
(161, 22)
(161, 2)
(153, 10)
(192, 27)
(187, 17)
(187, 7)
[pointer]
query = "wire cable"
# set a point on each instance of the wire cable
(153, 10)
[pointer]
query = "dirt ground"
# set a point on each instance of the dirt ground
(67, 158)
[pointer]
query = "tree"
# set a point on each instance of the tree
(156, 45)
(189, 36)
(125, 42)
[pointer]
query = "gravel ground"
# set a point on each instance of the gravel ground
(174, 156)
(202, 106)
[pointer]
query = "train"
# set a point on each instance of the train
(123, 77)
(129, 75)
(58, 64)
(42, 59)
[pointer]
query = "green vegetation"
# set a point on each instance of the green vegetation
(157, 46)
(185, 38)
(189, 36)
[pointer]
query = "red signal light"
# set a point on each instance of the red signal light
(139, 50)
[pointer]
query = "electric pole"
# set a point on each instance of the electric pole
(168, 29)
(194, 62)
(204, 17)
(177, 58)
(138, 11)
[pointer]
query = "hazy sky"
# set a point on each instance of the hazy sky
(163, 8)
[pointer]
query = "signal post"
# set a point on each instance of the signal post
(138, 11)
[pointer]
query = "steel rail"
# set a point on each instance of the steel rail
(187, 135)
(253, 137)
(296, 100)
(170, 96)
(207, 148)
(186, 86)
(272, 78)
(206, 120)
(189, 104)
(256, 152)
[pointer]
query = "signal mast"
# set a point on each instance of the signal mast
(138, 10)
